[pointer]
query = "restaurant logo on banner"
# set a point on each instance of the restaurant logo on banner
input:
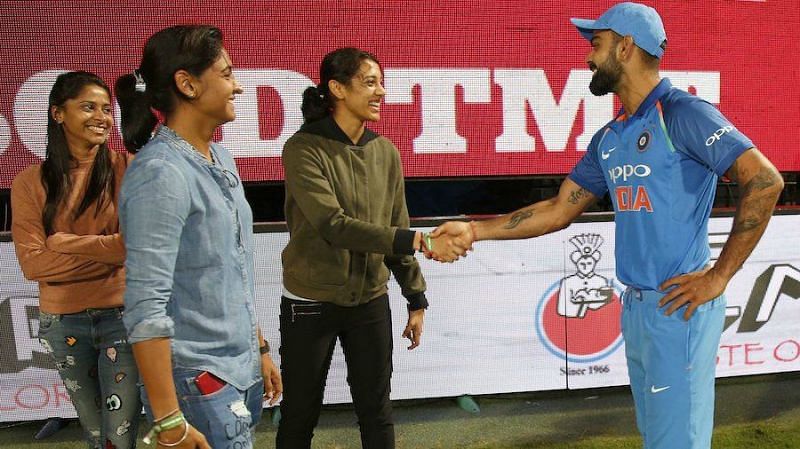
(578, 316)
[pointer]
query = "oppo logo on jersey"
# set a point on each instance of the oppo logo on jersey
(712, 139)
(628, 171)
(628, 198)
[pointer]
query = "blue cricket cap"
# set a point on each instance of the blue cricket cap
(629, 19)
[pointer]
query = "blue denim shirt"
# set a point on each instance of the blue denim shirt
(188, 232)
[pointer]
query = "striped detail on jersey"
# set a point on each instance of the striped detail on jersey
(664, 125)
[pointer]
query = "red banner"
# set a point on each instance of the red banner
(473, 88)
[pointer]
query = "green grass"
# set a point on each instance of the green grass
(776, 433)
(761, 412)
(779, 433)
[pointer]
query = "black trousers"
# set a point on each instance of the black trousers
(308, 336)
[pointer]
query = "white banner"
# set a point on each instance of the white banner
(540, 314)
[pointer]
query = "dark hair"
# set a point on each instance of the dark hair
(193, 48)
(58, 159)
(341, 65)
(649, 61)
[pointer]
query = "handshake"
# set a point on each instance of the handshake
(449, 241)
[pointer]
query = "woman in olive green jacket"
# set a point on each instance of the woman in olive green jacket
(348, 225)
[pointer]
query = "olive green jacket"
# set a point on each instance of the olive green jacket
(347, 217)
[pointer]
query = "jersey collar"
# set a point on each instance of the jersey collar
(659, 91)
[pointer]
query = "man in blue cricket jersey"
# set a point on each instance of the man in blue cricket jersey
(659, 160)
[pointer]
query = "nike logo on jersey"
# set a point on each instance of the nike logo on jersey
(606, 154)
(655, 390)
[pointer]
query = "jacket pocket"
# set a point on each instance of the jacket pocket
(377, 272)
(331, 267)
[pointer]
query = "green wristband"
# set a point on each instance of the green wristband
(428, 241)
(166, 424)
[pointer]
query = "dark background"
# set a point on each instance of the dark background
(429, 198)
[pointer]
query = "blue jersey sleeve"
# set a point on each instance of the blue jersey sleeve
(699, 130)
(588, 173)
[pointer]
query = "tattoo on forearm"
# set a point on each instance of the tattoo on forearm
(746, 224)
(517, 218)
(755, 205)
(757, 198)
(576, 195)
(764, 179)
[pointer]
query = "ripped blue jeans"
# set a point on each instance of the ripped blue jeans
(226, 417)
(91, 352)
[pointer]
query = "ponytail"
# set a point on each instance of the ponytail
(137, 119)
(316, 105)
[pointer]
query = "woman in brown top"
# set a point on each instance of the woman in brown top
(66, 235)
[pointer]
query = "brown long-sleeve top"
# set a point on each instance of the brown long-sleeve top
(80, 265)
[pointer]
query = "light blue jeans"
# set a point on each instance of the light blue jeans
(227, 417)
(96, 364)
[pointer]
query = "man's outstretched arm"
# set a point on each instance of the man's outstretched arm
(537, 219)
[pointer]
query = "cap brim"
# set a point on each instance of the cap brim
(585, 26)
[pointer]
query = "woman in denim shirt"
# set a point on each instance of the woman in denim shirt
(188, 230)
(66, 235)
